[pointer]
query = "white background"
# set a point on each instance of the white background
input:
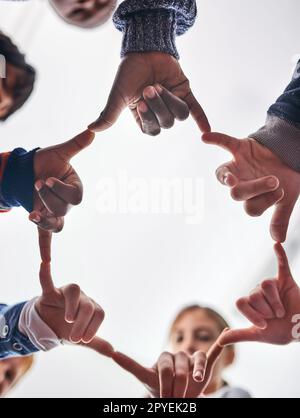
(143, 268)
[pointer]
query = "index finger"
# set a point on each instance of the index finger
(46, 279)
(45, 238)
(133, 367)
(69, 149)
(100, 346)
(197, 113)
(284, 272)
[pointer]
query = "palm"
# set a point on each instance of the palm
(51, 308)
(50, 163)
(285, 296)
(57, 185)
(279, 331)
(248, 174)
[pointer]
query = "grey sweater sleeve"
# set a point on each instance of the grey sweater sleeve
(152, 25)
(281, 133)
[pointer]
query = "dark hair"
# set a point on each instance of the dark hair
(24, 86)
(214, 315)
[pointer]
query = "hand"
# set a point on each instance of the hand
(260, 179)
(174, 375)
(57, 185)
(140, 70)
(271, 307)
(71, 315)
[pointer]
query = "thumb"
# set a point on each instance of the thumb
(113, 109)
(239, 335)
(69, 149)
(100, 346)
(197, 113)
(224, 141)
(46, 278)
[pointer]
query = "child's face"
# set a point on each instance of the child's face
(84, 13)
(11, 370)
(195, 331)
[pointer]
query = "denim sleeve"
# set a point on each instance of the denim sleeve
(152, 25)
(281, 133)
(12, 342)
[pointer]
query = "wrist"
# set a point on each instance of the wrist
(152, 25)
(282, 138)
(18, 179)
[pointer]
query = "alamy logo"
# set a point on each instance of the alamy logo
(296, 328)
(2, 66)
(177, 196)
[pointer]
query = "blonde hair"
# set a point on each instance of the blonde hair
(26, 364)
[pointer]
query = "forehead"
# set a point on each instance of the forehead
(196, 319)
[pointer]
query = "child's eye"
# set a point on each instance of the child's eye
(179, 339)
(205, 337)
(9, 376)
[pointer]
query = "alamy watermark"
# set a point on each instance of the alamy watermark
(154, 196)
(296, 328)
(2, 66)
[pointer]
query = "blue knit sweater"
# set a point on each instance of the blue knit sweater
(152, 25)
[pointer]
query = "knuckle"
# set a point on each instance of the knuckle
(267, 284)
(235, 194)
(252, 210)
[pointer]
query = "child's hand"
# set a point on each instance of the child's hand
(174, 375)
(71, 315)
(140, 70)
(259, 178)
(271, 307)
(58, 187)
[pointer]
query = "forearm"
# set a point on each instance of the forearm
(152, 25)
(281, 133)
(17, 179)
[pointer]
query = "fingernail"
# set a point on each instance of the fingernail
(226, 180)
(50, 183)
(158, 88)
(38, 185)
(150, 92)
(272, 182)
(35, 218)
(143, 107)
(262, 325)
(69, 320)
(198, 376)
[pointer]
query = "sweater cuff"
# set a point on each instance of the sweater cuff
(281, 137)
(18, 179)
(154, 30)
(37, 331)
(152, 25)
